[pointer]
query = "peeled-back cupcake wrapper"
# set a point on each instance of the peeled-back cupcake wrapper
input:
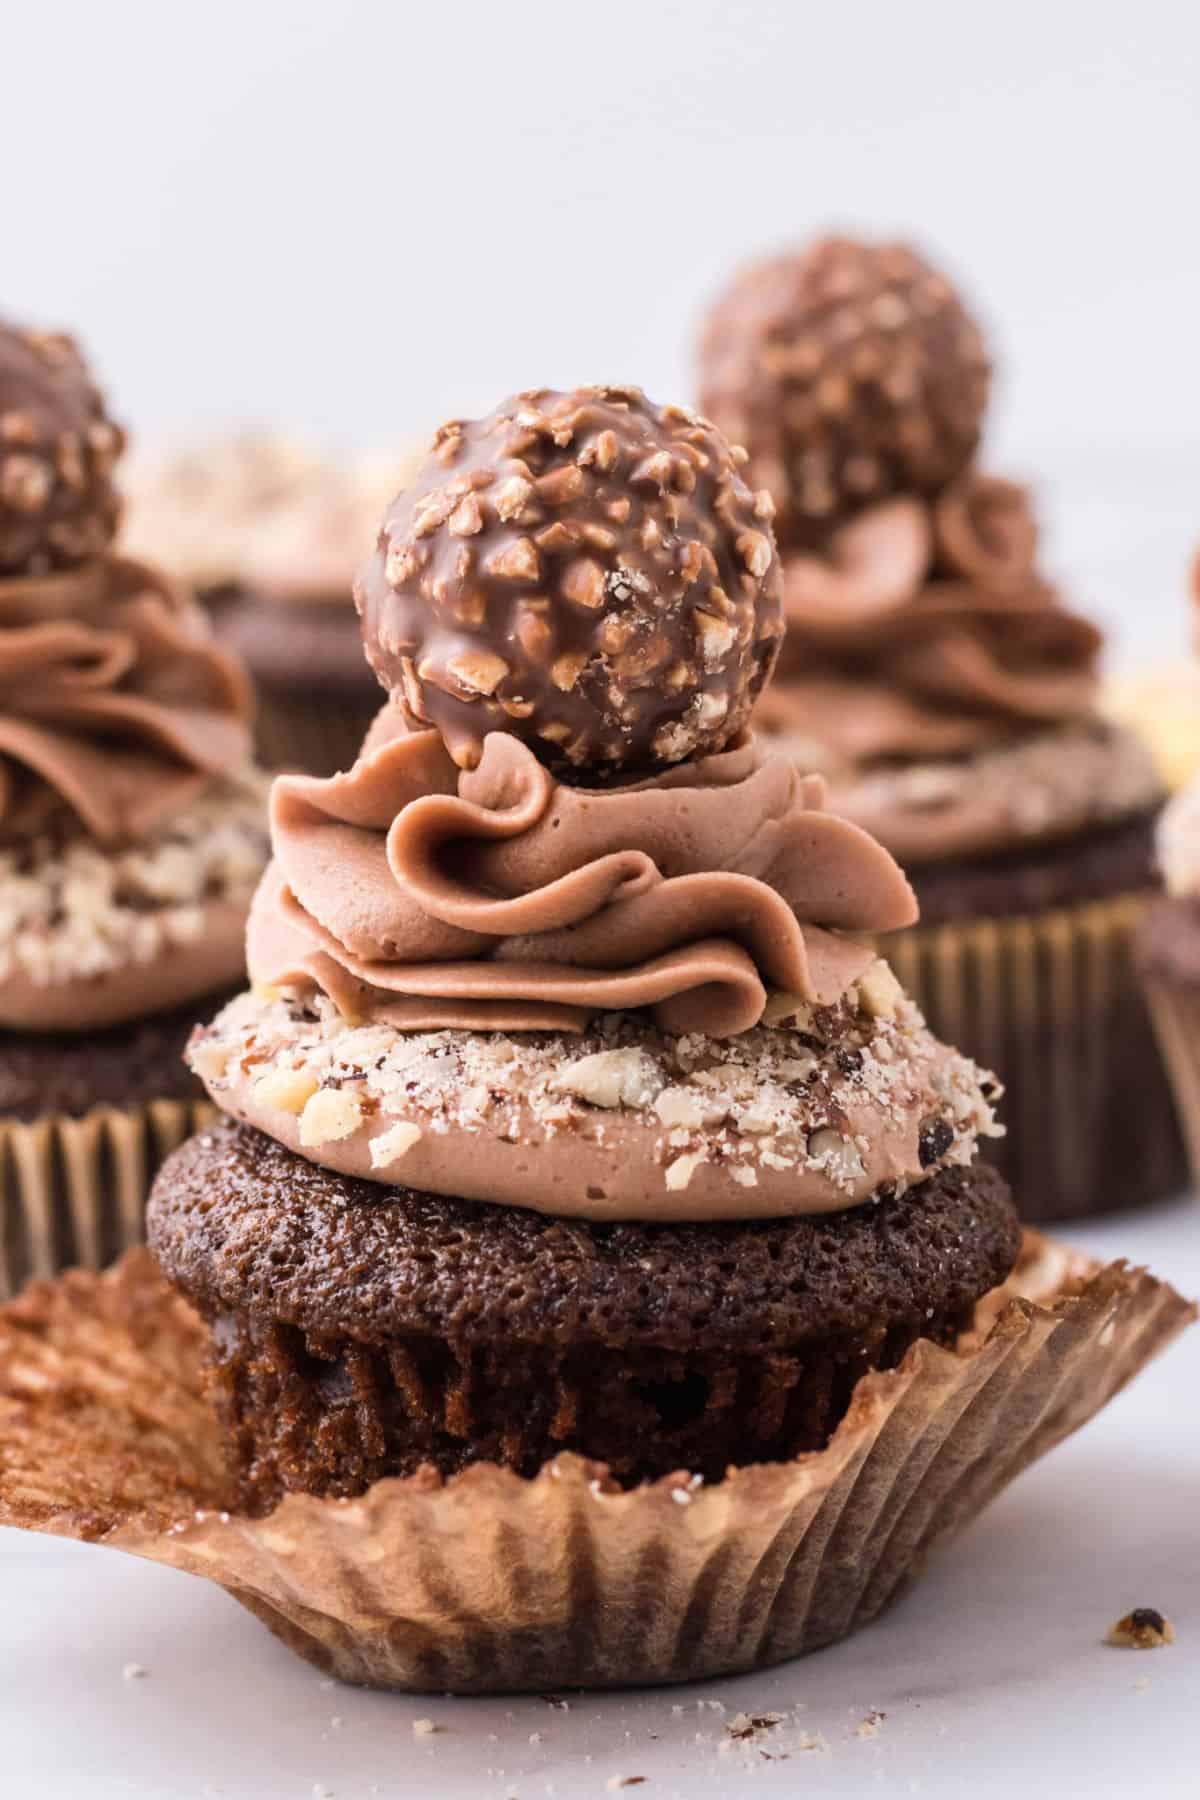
(1176, 1015)
(488, 1582)
(317, 733)
(1052, 1003)
(73, 1190)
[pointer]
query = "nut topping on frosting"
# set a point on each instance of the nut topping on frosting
(585, 571)
(58, 446)
(815, 1113)
(850, 371)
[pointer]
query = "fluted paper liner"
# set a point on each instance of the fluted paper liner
(1175, 1010)
(1051, 1001)
(489, 1582)
(73, 1190)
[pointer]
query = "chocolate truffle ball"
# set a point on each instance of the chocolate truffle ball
(585, 571)
(849, 371)
(57, 450)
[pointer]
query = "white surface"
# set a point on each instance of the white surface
(991, 1672)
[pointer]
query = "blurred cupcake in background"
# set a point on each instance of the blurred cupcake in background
(933, 674)
(269, 532)
(132, 829)
(1162, 703)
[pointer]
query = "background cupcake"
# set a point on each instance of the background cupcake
(932, 672)
(574, 1147)
(269, 532)
(131, 829)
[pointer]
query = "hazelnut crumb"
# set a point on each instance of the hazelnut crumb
(1145, 1628)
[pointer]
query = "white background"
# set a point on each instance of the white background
(359, 216)
(355, 218)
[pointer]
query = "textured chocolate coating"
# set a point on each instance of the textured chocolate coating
(849, 371)
(359, 1335)
(586, 571)
(58, 446)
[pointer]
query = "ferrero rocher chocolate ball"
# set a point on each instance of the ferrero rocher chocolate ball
(57, 450)
(585, 571)
(850, 372)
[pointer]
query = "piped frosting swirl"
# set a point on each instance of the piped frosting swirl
(926, 631)
(116, 709)
(417, 894)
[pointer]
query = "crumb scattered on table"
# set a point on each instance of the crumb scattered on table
(1145, 1628)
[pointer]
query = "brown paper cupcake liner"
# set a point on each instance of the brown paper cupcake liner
(317, 733)
(1175, 1011)
(73, 1190)
(1051, 1002)
(488, 1582)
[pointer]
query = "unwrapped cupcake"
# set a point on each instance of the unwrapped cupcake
(132, 830)
(934, 675)
(269, 532)
(594, 1272)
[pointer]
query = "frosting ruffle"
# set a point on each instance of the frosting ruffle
(925, 630)
(423, 896)
(115, 705)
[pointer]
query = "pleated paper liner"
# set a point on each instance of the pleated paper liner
(73, 1190)
(488, 1582)
(1052, 1003)
(311, 731)
(1176, 1013)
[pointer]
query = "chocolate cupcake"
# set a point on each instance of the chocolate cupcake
(932, 673)
(269, 532)
(131, 831)
(1168, 957)
(595, 1239)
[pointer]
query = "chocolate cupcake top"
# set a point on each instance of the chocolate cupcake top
(930, 669)
(58, 447)
(850, 371)
(587, 572)
(504, 982)
(130, 818)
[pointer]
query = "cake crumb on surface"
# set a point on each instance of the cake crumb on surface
(133, 1671)
(1145, 1628)
(744, 1726)
(868, 1725)
(423, 1727)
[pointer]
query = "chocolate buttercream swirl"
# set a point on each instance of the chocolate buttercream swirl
(116, 709)
(926, 630)
(424, 896)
